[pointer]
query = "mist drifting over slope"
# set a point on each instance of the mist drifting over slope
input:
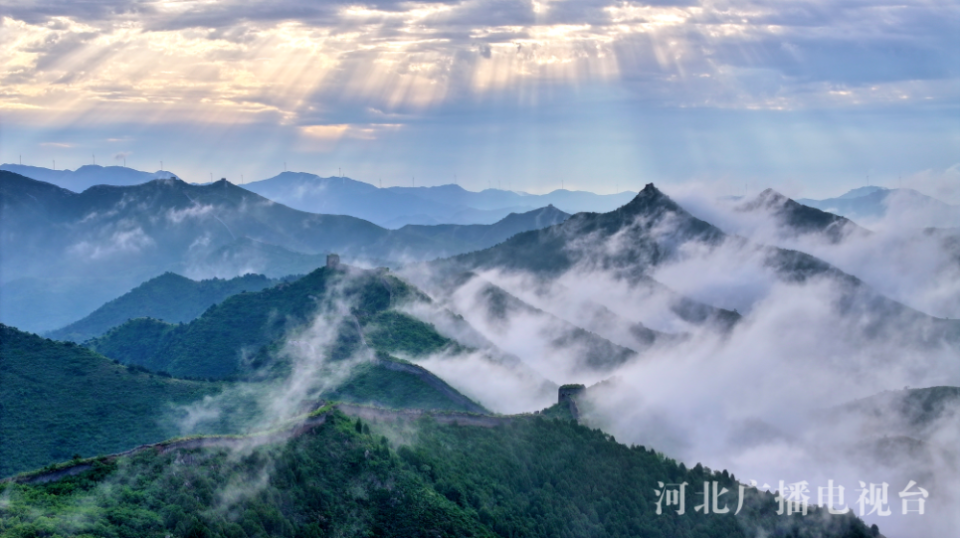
(751, 398)
(897, 254)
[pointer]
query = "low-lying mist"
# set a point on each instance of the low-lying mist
(755, 399)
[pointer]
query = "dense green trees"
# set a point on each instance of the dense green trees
(168, 297)
(60, 399)
(241, 336)
(530, 477)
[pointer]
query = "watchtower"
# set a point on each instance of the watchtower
(333, 261)
(570, 392)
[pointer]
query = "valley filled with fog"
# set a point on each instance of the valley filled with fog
(752, 334)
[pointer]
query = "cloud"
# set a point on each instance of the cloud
(125, 240)
(761, 400)
(194, 211)
(297, 59)
(899, 259)
(941, 184)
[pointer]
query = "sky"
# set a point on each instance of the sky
(811, 97)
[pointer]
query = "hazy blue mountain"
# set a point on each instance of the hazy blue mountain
(94, 246)
(548, 250)
(168, 297)
(651, 230)
(164, 221)
(466, 215)
(798, 219)
(589, 350)
(396, 206)
(861, 191)
(65, 244)
(391, 207)
(909, 412)
(344, 196)
(949, 239)
(489, 199)
(246, 255)
(478, 236)
(913, 431)
(87, 175)
(872, 203)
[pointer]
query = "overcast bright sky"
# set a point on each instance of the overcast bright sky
(808, 96)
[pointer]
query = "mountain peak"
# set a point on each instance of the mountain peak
(650, 200)
(861, 191)
(800, 218)
(769, 199)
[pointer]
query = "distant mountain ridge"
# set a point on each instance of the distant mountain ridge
(390, 207)
(395, 206)
(87, 175)
(651, 230)
(545, 250)
(137, 232)
(802, 219)
(168, 297)
(872, 203)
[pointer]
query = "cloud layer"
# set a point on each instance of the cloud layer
(349, 78)
(385, 60)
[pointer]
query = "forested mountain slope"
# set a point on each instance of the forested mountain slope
(168, 297)
(345, 477)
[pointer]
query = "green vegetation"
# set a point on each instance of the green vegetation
(532, 477)
(396, 332)
(395, 384)
(136, 341)
(242, 336)
(59, 399)
(169, 297)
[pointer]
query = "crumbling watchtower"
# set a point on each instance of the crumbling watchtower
(570, 393)
(567, 395)
(333, 261)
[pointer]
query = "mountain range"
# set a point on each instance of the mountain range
(87, 175)
(391, 207)
(465, 317)
(394, 207)
(348, 471)
(168, 297)
(653, 230)
(795, 218)
(59, 244)
(871, 204)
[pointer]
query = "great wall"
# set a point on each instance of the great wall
(233, 442)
